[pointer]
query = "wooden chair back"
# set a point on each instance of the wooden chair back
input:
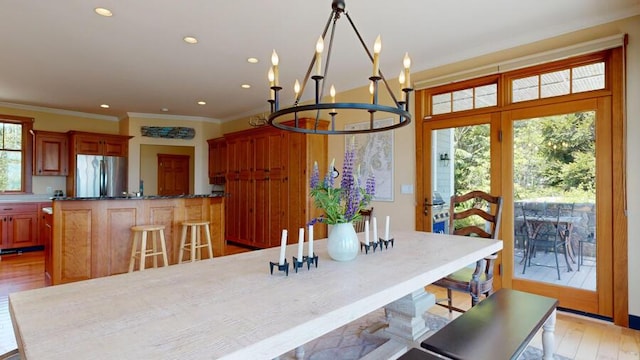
(467, 207)
(365, 214)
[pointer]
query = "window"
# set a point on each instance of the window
(15, 154)
(556, 83)
(466, 99)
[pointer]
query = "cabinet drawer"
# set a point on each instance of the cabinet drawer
(12, 208)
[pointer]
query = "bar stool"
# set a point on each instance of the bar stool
(139, 250)
(196, 240)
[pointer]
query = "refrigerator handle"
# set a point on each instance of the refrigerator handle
(103, 178)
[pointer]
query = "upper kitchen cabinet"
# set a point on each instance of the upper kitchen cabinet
(51, 154)
(99, 144)
(217, 160)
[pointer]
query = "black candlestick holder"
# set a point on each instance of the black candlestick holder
(297, 264)
(386, 243)
(371, 246)
(284, 267)
(310, 260)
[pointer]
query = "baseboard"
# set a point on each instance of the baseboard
(634, 322)
(21, 250)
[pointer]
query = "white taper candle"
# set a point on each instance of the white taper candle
(310, 240)
(386, 229)
(300, 243)
(375, 229)
(283, 246)
(366, 232)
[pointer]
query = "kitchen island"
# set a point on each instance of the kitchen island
(91, 237)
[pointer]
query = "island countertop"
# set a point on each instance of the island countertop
(144, 197)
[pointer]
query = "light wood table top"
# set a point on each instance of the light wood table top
(229, 307)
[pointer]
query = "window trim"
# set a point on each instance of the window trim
(27, 152)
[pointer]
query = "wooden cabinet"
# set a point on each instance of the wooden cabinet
(92, 238)
(19, 225)
(99, 144)
(51, 153)
(93, 144)
(217, 160)
(46, 235)
(267, 182)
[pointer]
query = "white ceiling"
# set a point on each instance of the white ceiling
(60, 54)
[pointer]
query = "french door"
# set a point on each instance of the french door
(557, 184)
(530, 156)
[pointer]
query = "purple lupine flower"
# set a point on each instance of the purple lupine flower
(370, 187)
(315, 175)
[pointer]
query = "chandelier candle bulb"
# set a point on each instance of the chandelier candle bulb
(377, 46)
(407, 72)
(296, 88)
(332, 92)
(283, 247)
(271, 75)
(319, 49)
(300, 243)
(386, 228)
(366, 232)
(274, 62)
(310, 240)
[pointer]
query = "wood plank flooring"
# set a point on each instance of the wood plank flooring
(577, 337)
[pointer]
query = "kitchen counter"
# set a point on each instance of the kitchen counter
(150, 197)
(92, 236)
(14, 199)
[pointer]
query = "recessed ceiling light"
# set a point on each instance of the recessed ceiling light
(245, 86)
(190, 40)
(201, 102)
(164, 109)
(105, 106)
(103, 12)
(252, 60)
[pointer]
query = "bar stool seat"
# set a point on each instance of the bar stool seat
(139, 248)
(195, 243)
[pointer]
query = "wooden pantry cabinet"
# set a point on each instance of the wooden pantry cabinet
(217, 160)
(267, 182)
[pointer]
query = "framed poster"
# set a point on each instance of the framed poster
(374, 153)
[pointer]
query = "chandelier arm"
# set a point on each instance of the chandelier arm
(393, 97)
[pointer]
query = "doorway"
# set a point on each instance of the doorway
(173, 174)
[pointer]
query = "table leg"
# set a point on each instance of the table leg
(548, 336)
(405, 315)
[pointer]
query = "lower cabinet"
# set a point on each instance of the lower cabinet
(19, 225)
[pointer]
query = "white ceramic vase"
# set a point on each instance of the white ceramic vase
(342, 243)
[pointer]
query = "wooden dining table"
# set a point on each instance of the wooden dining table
(232, 307)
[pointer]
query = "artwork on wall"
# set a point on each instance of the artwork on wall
(374, 152)
(168, 132)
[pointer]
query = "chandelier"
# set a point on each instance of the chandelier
(280, 117)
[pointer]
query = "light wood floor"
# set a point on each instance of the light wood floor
(577, 337)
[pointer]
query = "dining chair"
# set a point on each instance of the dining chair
(474, 214)
(365, 214)
(549, 232)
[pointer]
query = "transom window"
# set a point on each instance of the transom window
(561, 82)
(465, 99)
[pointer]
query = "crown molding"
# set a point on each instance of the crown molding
(58, 111)
(173, 117)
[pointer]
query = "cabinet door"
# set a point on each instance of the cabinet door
(23, 230)
(217, 160)
(88, 144)
(51, 154)
(112, 146)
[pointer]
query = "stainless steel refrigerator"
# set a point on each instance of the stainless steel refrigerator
(98, 175)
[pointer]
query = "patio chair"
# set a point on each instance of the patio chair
(547, 232)
(477, 214)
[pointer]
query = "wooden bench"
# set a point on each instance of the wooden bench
(499, 327)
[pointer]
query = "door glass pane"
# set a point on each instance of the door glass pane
(554, 199)
(461, 163)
